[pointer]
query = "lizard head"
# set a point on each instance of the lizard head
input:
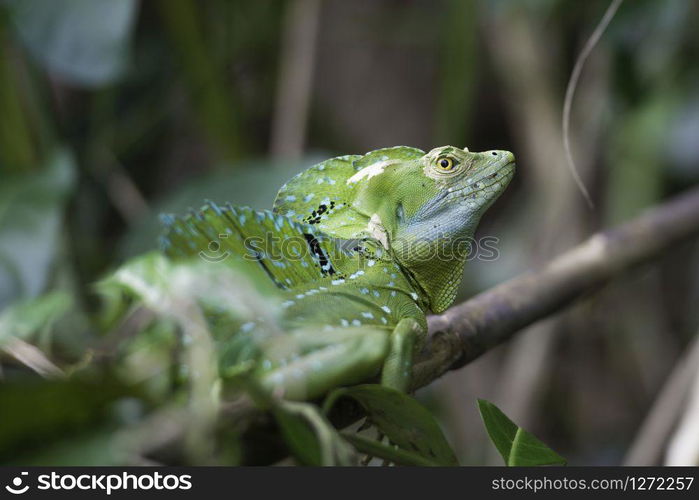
(453, 187)
(421, 207)
(464, 181)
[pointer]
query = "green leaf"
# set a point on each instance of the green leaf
(310, 437)
(402, 419)
(83, 41)
(517, 446)
(30, 218)
(94, 446)
(36, 413)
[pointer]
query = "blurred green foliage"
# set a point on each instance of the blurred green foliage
(114, 111)
(31, 207)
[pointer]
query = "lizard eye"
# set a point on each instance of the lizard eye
(446, 163)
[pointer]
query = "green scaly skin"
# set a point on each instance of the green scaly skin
(376, 248)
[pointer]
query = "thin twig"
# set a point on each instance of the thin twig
(525, 64)
(570, 92)
(648, 446)
(32, 357)
(295, 78)
(683, 448)
(123, 191)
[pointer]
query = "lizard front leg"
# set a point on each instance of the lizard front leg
(341, 357)
(397, 369)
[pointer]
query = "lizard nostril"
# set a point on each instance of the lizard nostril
(494, 153)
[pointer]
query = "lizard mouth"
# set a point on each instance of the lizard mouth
(499, 173)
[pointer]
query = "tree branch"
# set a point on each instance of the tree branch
(466, 331)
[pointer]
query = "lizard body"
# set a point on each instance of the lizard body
(359, 249)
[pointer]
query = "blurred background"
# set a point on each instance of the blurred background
(113, 111)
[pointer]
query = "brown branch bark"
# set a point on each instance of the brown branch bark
(467, 330)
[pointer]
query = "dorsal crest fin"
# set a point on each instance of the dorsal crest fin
(324, 195)
(290, 253)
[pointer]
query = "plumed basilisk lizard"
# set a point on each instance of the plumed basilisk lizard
(359, 249)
